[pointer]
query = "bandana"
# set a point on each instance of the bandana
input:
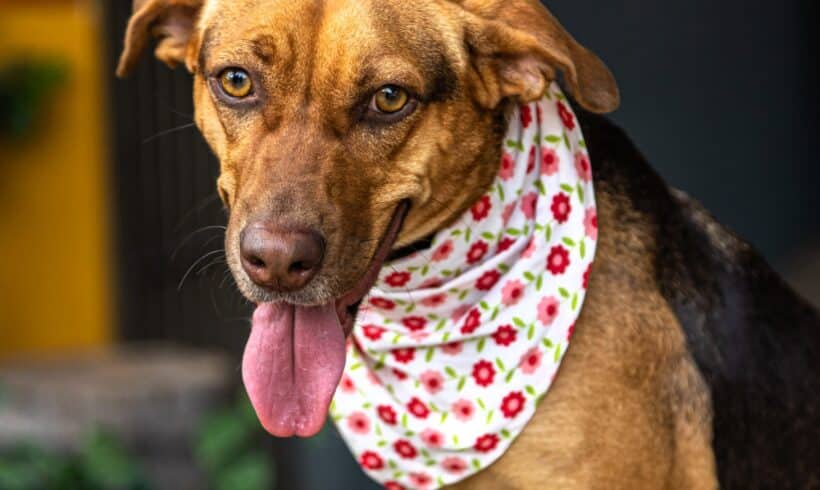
(456, 346)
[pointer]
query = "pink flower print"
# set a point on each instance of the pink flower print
(530, 249)
(512, 292)
(477, 252)
(583, 167)
(463, 410)
(507, 167)
(432, 381)
(566, 116)
(452, 348)
(591, 223)
(530, 361)
(454, 465)
(431, 283)
(481, 209)
(507, 213)
(432, 438)
(528, 203)
(459, 312)
(548, 310)
(435, 300)
(531, 160)
(371, 376)
(561, 207)
(549, 161)
(422, 481)
(359, 423)
(443, 251)
(346, 385)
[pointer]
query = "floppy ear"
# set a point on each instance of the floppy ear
(516, 48)
(172, 22)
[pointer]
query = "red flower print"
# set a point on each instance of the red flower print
(583, 167)
(558, 260)
(530, 361)
(591, 223)
(432, 438)
(391, 485)
(566, 116)
(432, 381)
(387, 414)
(548, 310)
(404, 449)
(530, 249)
(528, 203)
(505, 335)
(435, 300)
(481, 209)
(483, 373)
(526, 116)
(373, 332)
(431, 283)
(486, 443)
(531, 160)
(487, 280)
(472, 322)
(346, 384)
(561, 207)
(463, 410)
(443, 251)
(397, 279)
(586, 276)
(358, 422)
(452, 348)
(371, 461)
(384, 304)
(507, 167)
(570, 332)
(417, 408)
(507, 213)
(404, 355)
(505, 244)
(399, 374)
(414, 323)
(549, 161)
(513, 404)
(477, 252)
(454, 465)
(512, 292)
(420, 480)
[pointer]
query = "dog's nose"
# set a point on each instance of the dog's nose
(280, 260)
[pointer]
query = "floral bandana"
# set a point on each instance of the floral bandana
(456, 345)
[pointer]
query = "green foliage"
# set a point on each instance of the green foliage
(24, 88)
(101, 464)
(228, 450)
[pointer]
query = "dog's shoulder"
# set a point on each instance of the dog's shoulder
(755, 342)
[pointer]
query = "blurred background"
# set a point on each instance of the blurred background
(120, 330)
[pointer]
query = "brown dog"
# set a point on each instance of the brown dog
(692, 365)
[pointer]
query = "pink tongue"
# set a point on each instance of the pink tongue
(292, 364)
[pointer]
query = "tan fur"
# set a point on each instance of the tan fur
(628, 410)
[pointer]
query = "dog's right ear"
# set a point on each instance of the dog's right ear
(172, 22)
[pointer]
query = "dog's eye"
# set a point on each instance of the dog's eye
(390, 99)
(236, 82)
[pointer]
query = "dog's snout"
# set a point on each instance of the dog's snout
(280, 259)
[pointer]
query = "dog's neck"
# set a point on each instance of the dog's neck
(462, 336)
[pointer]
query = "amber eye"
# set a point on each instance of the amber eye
(390, 99)
(236, 82)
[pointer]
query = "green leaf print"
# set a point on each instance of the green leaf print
(553, 139)
(480, 345)
(569, 242)
(451, 372)
(564, 293)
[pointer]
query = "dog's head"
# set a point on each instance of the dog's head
(347, 128)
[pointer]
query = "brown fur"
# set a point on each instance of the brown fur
(629, 409)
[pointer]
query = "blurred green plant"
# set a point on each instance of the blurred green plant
(25, 86)
(100, 464)
(229, 450)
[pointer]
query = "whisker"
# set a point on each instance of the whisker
(167, 132)
(195, 264)
(192, 234)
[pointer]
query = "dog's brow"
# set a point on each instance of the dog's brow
(263, 47)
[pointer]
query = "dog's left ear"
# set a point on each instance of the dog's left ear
(517, 46)
(172, 22)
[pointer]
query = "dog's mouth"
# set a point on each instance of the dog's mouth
(295, 355)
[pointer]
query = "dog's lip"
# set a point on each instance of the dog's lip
(348, 302)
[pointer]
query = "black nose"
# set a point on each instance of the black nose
(280, 259)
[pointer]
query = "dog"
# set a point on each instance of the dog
(351, 131)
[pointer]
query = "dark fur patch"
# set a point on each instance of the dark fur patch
(756, 343)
